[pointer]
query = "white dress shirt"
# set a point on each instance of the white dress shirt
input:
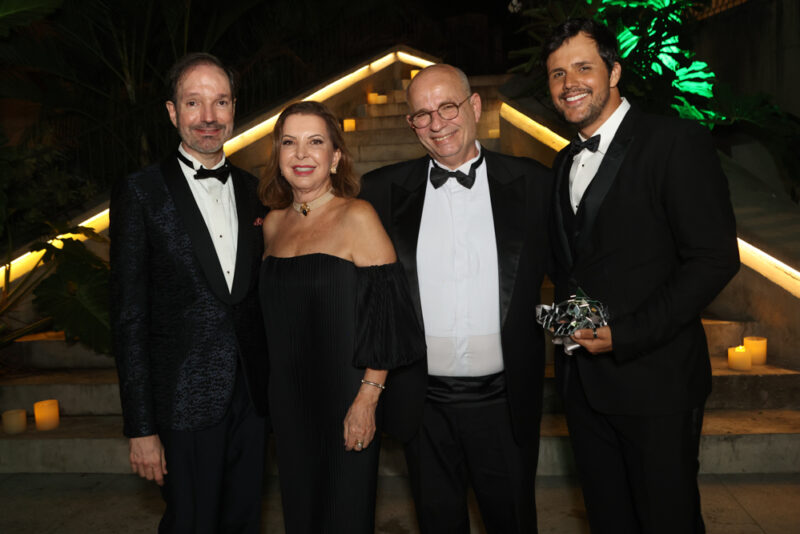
(586, 162)
(217, 204)
(458, 278)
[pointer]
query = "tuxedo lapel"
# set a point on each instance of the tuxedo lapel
(602, 182)
(244, 247)
(507, 192)
(408, 197)
(562, 247)
(195, 227)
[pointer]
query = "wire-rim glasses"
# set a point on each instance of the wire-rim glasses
(447, 111)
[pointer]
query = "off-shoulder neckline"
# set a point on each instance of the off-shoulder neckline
(325, 254)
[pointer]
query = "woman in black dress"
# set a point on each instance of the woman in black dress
(338, 316)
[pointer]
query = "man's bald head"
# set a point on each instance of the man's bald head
(444, 89)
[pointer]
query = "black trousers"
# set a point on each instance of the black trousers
(214, 476)
(464, 444)
(638, 473)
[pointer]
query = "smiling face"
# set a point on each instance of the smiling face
(307, 155)
(581, 87)
(449, 142)
(203, 112)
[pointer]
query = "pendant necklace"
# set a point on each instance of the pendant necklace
(306, 207)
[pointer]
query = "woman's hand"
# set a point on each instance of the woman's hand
(359, 423)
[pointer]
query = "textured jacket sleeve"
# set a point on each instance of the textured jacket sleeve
(129, 308)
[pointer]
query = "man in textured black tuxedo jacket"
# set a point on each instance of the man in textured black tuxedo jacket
(642, 221)
(473, 246)
(187, 328)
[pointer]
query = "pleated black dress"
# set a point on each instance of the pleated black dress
(326, 320)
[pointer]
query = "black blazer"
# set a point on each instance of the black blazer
(177, 329)
(520, 191)
(654, 238)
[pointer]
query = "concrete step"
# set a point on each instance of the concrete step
(78, 391)
(49, 351)
(394, 152)
(386, 136)
(761, 441)
(96, 391)
(765, 387)
(363, 167)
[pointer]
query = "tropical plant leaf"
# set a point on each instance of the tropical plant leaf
(76, 296)
(14, 13)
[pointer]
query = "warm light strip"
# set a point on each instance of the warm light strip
(337, 86)
(413, 60)
(770, 268)
(25, 263)
(531, 127)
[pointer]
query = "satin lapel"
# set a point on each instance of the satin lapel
(246, 215)
(408, 197)
(507, 192)
(562, 165)
(602, 182)
(195, 227)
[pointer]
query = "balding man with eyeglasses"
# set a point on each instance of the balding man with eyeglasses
(470, 227)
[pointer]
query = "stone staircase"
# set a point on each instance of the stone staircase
(752, 422)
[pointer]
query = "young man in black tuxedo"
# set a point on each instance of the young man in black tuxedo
(187, 329)
(642, 221)
(470, 227)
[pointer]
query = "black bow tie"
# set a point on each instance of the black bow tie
(439, 175)
(220, 173)
(590, 144)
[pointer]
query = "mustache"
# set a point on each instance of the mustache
(212, 124)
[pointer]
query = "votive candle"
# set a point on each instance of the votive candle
(46, 414)
(15, 421)
(739, 358)
(757, 347)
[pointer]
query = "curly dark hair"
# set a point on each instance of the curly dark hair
(273, 189)
(607, 45)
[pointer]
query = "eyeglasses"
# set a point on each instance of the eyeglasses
(447, 111)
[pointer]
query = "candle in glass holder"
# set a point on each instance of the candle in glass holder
(739, 358)
(757, 347)
(46, 414)
(414, 72)
(372, 98)
(15, 421)
(349, 125)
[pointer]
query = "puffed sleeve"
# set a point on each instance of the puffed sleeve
(388, 334)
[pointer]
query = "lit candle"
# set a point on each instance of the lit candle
(46, 414)
(15, 421)
(757, 347)
(349, 125)
(739, 358)
(372, 98)
(414, 72)
(382, 99)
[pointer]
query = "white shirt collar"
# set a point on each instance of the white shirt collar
(196, 162)
(464, 167)
(608, 129)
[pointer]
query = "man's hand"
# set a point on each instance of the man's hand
(147, 458)
(595, 341)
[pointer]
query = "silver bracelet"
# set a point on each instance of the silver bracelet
(375, 384)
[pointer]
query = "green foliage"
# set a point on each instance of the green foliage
(76, 295)
(15, 13)
(659, 68)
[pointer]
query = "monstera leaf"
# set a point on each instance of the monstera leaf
(15, 13)
(76, 296)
